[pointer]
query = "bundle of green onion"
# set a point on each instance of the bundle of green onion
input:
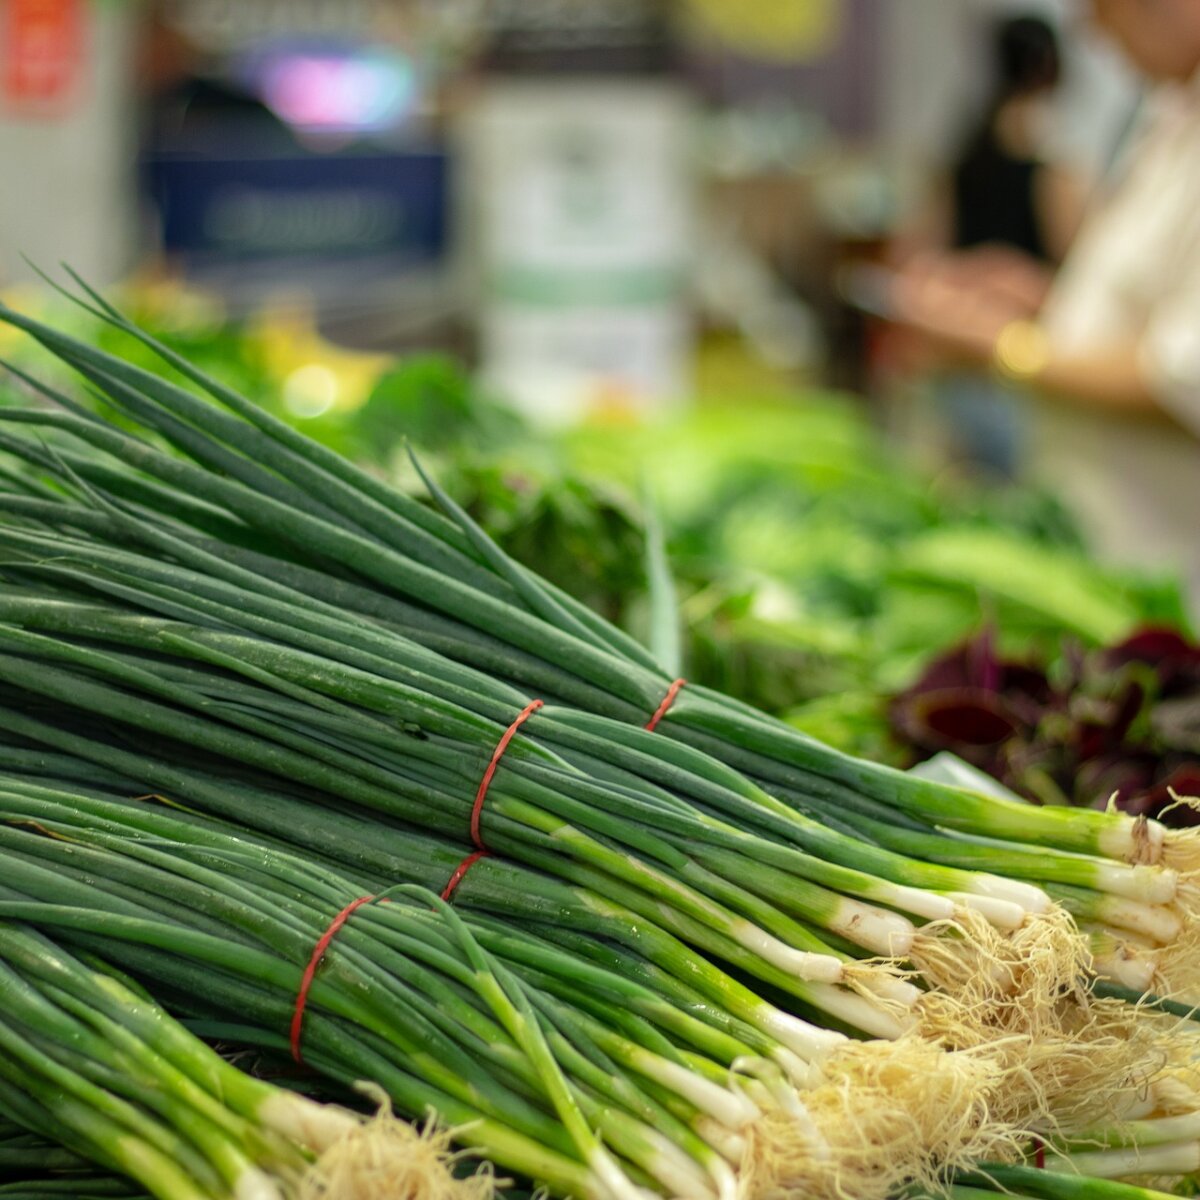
(253, 628)
(91, 1062)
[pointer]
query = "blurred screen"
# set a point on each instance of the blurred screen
(324, 88)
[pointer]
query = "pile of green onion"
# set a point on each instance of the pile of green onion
(664, 973)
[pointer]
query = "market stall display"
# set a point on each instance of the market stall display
(314, 758)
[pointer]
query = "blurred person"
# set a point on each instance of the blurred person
(1009, 185)
(1008, 190)
(1107, 347)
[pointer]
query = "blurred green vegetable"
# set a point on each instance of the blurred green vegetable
(816, 571)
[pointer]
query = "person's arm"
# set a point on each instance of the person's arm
(1157, 372)
(1113, 379)
(986, 329)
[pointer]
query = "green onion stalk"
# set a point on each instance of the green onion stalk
(549, 914)
(1125, 958)
(820, 877)
(1132, 897)
(1156, 1138)
(35, 1168)
(27, 1154)
(702, 713)
(718, 796)
(78, 1187)
(252, 476)
(1138, 1159)
(656, 1084)
(213, 691)
(83, 1185)
(561, 961)
(617, 758)
(515, 901)
(1142, 929)
(91, 1062)
(1030, 1183)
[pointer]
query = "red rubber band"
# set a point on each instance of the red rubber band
(459, 871)
(319, 950)
(463, 867)
(497, 755)
(1039, 1154)
(667, 701)
(311, 970)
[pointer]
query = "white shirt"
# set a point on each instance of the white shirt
(1134, 273)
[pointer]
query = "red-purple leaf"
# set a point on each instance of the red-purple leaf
(1096, 737)
(1100, 726)
(1173, 657)
(971, 664)
(1127, 775)
(953, 717)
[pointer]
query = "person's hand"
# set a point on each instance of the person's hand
(1010, 273)
(958, 319)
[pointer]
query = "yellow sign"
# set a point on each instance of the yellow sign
(794, 30)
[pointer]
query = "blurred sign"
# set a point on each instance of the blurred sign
(558, 37)
(794, 30)
(224, 25)
(42, 47)
(388, 208)
(438, 33)
(580, 221)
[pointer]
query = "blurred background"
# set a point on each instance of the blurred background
(614, 266)
(570, 195)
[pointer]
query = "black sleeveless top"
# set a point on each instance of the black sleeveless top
(993, 194)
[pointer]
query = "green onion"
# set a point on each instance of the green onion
(88, 1061)
(219, 611)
